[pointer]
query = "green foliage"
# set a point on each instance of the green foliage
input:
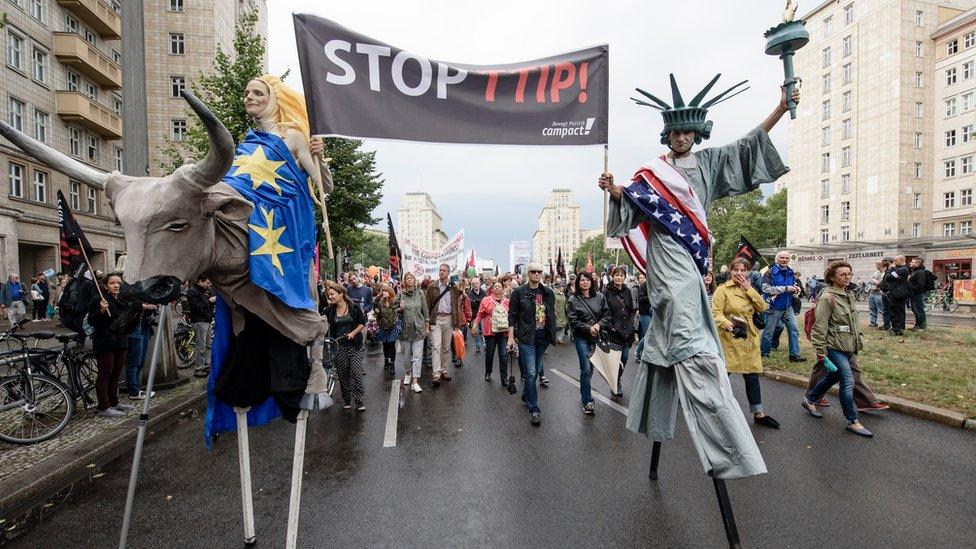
(762, 222)
(3, 19)
(358, 191)
(594, 245)
(371, 250)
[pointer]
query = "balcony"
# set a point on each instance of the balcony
(98, 15)
(72, 50)
(76, 107)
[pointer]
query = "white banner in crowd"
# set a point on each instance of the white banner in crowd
(420, 262)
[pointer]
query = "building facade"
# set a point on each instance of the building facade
(61, 84)
(419, 222)
(559, 228)
(519, 254)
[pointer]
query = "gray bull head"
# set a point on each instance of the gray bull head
(170, 223)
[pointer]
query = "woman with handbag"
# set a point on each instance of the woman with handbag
(620, 328)
(734, 306)
(386, 320)
(492, 322)
(411, 306)
(586, 311)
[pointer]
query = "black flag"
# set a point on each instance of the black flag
(496, 270)
(394, 250)
(747, 250)
(345, 259)
(72, 239)
(560, 268)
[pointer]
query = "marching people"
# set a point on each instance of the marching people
(411, 304)
(620, 326)
(921, 281)
(15, 299)
(492, 322)
(779, 288)
(562, 324)
(200, 301)
(836, 338)
(587, 311)
(40, 295)
(895, 285)
(465, 315)
(733, 307)
(532, 326)
(359, 293)
(710, 284)
(109, 346)
(475, 294)
(386, 316)
(875, 300)
(445, 315)
(346, 324)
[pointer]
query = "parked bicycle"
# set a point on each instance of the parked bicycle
(72, 363)
(941, 300)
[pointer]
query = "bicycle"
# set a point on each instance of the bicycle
(34, 406)
(330, 350)
(186, 345)
(76, 365)
(941, 299)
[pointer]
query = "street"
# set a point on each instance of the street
(467, 470)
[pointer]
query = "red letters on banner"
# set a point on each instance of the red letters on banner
(564, 76)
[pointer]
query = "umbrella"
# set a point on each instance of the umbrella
(607, 362)
(512, 389)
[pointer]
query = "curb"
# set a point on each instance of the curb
(897, 404)
(22, 493)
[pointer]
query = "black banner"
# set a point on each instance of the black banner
(356, 86)
(394, 247)
(747, 250)
(72, 239)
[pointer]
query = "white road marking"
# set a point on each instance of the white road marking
(596, 395)
(389, 440)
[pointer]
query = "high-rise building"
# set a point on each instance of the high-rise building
(419, 222)
(559, 228)
(61, 84)
(862, 145)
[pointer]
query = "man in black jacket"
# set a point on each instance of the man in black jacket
(895, 284)
(476, 295)
(921, 282)
(532, 325)
(200, 311)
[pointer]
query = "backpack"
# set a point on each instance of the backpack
(499, 318)
(71, 299)
(929, 281)
(809, 318)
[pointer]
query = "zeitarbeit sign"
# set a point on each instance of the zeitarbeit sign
(356, 86)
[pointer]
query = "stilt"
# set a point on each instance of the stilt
(731, 532)
(655, 457)
(244, 460)
(297, 468)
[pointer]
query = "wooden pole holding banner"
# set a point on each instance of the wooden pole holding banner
(606, 169)
(94, 278)
(320, 159)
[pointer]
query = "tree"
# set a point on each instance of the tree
(372, 250)
(358, 191)
(594, 246)
(763, 222)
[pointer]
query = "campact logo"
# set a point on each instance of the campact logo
(567, 128)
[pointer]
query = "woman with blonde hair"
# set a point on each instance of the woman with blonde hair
(411, 304)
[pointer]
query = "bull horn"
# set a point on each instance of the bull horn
(215, 165)
(54, 159)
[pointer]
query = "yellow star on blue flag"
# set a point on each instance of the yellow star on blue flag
(261, 170)
(272, 239)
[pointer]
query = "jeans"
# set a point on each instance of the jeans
(134, 359)
(389, 354)
(493, 342)
(846, 377)
(584, 349)
(876, 305)
(886, 302)
(645, 321)
(773, 316)
(777, 333)
(412, 353)
(202, 332)
(530, 361)
(753, 393)
(918, 309)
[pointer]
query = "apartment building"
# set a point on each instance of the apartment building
(559, 228)
(419, 222)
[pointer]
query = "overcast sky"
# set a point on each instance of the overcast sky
(496, 193)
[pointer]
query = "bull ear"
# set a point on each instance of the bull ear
(225, 206)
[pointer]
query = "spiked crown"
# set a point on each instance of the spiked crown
(681, 117)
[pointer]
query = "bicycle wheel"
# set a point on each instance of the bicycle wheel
(929, 302)
(33, 408)
(950, 305)
(86, 370)
(331, 380)
(186, 349)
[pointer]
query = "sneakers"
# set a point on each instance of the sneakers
(406, 380)
(346, 405)
(798, 359)
(876, 407)
(487, 378)
(142, 395)
(416, 388)
(544, 381)
(124, 407)
(360, 406)
(536, 419)
(588, 409)
(810, 408)
(110, 412)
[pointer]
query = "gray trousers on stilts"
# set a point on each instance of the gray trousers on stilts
(715, 421)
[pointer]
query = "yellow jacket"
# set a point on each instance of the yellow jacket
(741, 355)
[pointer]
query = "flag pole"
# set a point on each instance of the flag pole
(325, 214)
(606, 169)
(94, 278)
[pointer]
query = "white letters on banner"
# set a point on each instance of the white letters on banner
(420, 262)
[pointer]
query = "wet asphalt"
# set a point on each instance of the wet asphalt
(468, 470)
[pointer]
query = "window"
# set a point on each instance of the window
(950, 105)
(825, 136)
(824, 189)
(825, 110)
(37, 9)
(117, 105)
(918, 170)
(949, 199)
(845, 183)
(845, 157)
(916, 230)
(74, 195)
(919, 79)
(967, 133)
(826, 57)
(40, 186)
(918, 140)
(919, 49)
(948, 229)
(91, 90)
(16, 173)
(848, 101)
(950, 76)
(93, 148)
(176, 85)
(917, 201)
(74, 141)
(826, 26)
(825, 214)
(176, 5)
(73, 81)
(71, 24)
(848, 74)
(91, 205)
(967, 101)
(117, 57)
(918, 109)
(966, 163)
(967, 70)
(845, 211)
(845, 233)
(919, 18)
(849, 13)
(848, 45)
(826, 83)
(15, 50)
(176, 43)
(950, 168)
(16, 116)
(39, 65)
(847, 129)
(950, 138)
(41, 124)
(824, 236)
(965, 227)
(825, 163)
(952, 46)
(118, 159)
(969, 40)
(966, 197)
(89, 36)
(179, 129)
